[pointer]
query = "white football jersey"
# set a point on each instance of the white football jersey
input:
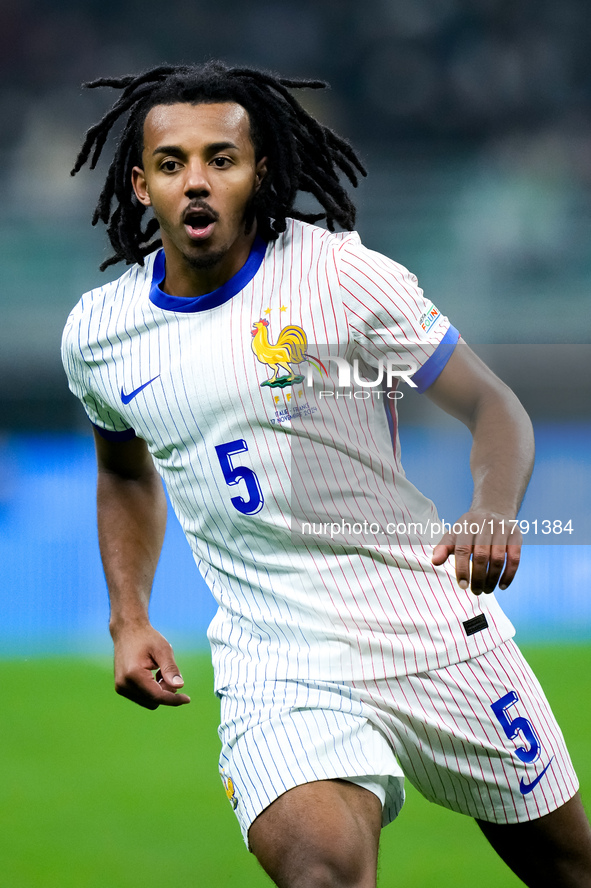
(269, 409)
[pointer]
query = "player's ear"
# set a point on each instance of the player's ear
(260, 172)
(138, 181)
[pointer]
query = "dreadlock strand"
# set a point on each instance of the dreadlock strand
(134, 80)
(275, 82)
(326, 200)
(345, 152)
(102, 211)
(115, 82)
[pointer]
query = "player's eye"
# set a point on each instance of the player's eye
(221, 162)
(169, 166)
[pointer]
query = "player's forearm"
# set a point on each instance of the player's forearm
(131, 523)
(502, 453)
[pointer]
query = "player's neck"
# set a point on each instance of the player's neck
(186, 279)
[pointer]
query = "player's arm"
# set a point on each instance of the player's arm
(131, 511)
(501, 462)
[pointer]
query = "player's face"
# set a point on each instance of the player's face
(199, 176)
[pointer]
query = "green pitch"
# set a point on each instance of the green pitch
(98, 793)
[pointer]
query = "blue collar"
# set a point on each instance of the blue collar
(208, 300)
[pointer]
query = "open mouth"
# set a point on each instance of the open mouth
(199, 222)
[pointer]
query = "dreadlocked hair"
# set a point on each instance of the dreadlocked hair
(303, 155)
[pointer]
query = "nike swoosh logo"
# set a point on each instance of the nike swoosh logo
(127, 398)
(527, 787)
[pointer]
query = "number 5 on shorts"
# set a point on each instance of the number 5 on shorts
(517, 726)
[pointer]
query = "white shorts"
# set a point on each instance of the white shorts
(477, 737)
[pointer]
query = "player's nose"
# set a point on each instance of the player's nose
(196, 180)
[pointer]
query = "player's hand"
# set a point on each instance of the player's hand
(145, 669)
(488, 543)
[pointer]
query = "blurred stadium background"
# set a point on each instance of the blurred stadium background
(473, 118)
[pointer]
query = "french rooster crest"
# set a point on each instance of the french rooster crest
(290, 348)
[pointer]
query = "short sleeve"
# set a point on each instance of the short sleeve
(107, 421)
(388, 315)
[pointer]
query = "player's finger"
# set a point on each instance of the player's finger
(154, 696)
(512, 543)
(481, 557)
(511, 565)
(461, 547)
(171, 698)
(441, 552)
(480, 562)
(495, 566)
(462, 553)
(170, 677)
(167, 695)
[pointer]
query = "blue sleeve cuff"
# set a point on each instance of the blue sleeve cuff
(125, 435)
(428, 373)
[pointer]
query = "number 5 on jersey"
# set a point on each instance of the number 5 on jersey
(235, 474)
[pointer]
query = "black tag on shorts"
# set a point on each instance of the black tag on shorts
(476, 624)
